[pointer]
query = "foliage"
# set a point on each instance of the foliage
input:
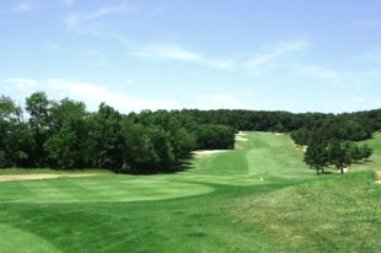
(215, 137)
(63, 135)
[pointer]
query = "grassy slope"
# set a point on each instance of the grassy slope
(259, 198)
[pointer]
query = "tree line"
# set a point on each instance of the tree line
(64, 135)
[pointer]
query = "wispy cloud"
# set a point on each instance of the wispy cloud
(367, 23)
(281, 50)
(168, 52)
(359, 100)
(327, 75)
(69, 2)
(73, 19)
(21, 83)
(372, 56)
(217, 101)
(164, 51)
(21, 7)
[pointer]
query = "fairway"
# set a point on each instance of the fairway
(259, 197)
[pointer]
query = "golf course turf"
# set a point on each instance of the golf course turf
(260, 197)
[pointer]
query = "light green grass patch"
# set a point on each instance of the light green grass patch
(260, 197)
(20, 241)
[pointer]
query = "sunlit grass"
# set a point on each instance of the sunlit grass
(260, 197)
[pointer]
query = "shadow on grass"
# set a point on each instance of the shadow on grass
(181, 166)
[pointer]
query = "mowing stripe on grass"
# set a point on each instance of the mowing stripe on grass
(17, 240)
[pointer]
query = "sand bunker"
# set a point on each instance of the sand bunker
(240, 138)
(208, 152)
(5, 178)
(378, 173)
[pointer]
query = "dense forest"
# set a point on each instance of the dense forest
(64, 135)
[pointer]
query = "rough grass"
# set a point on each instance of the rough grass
(258, 198)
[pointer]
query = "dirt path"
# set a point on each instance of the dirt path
(6, 178)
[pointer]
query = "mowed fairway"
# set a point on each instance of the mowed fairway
(258, 198)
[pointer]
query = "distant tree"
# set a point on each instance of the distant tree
(215, 137)
(365, 152)
(340, 155)
(356, 154)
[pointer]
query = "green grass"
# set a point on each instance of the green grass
(257, 198)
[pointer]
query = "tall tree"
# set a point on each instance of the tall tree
(106, 146)
(68, 134)
(38, 107)
(15, 140)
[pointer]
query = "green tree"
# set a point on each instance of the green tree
(317, 157)
(138, 150)
(62, 149)
(365, 152)
(15, 140)
(38, 107)
(340, 155)
(68, 134)
(105, 145)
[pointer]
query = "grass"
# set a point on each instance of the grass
(257, 198)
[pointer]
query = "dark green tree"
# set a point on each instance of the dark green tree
(317, 157)
(15, 139)
(340, 155)
(105, 147)
(37, 106)
(67, 136)
(365, 152)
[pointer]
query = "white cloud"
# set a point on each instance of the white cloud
(317, 72)
(164, 51)
(280, 51)
(91, 94)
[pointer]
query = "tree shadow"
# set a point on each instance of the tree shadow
(183, 165)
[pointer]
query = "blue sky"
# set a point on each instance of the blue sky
(295, 55)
